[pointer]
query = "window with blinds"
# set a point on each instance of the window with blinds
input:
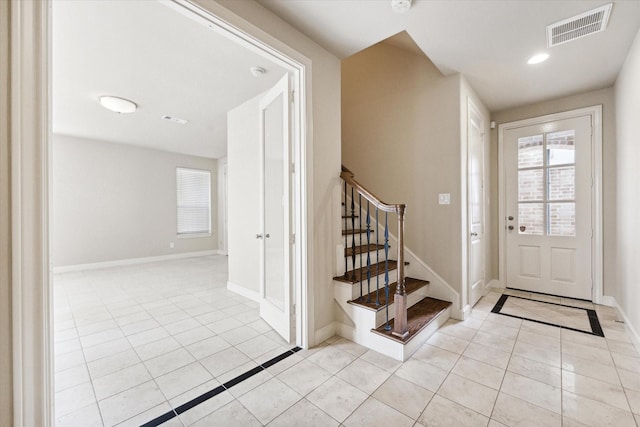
(194, 201)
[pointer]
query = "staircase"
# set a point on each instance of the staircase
(388, 311)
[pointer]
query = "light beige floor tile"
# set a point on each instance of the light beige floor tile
(129, 403)
(194, 335)
(534, 338)
(282, 365)
(205, 408)
(224, 361)
(107, 349)
(146, 337)
(494, 341)
(442, 412)
(232, 414)
(116, 362)
(305, 414)
(541, 354)
(280, 398)
(479, 372)
(468, 393)
(535, 370)
(148, 415)
(494, 327)
(590, 368)
(376, 414)
(304, 377)
(448, 342)
(515, 412)
(488, 355)
(586, 352)
(629, 363)
(629, 379)
(69, 360)
(337, 398)
(181, 326)
(494, 423)
(601, 391)
(594, 414)
(101, 337)
(97, 327)
(67, 346)
(350, 347)
(581, 338)
(121, 380)
(436, 356)
(625, 348)
(422, 374)
(257, 346)
(207, 347)
(505, 320)
(182, 379)
(140, 326)
(616, 334)
(157, 348)
(73, 399)
(239, 335)
(71, 377)
(363, 375)
(168, 362)
(568, 422)
(532, 391)
(404, 396)
(458, 329)
(89, 416)
(633, 397)
(250, 383)
(542, 329)
(332, 359)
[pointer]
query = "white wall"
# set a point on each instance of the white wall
(244, 196)
(221, 164)
(114, 202)
(627, 92)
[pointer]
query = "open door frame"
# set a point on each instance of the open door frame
(30, 108)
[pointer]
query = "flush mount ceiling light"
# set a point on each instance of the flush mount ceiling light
(257, 71)
(118, 105)
(400, 6)
(536, 59)
(175, 119)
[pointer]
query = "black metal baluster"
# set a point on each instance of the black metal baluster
(346, 258)
(353, 236)
(360, 228)
(377, 260)
(387, 327)
(368, 254)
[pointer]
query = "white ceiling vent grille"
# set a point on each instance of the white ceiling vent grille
(582, 25)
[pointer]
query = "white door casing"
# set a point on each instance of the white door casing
(548, 207)
(276, 290)
(475, 203)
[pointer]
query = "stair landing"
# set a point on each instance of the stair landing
(418, 317)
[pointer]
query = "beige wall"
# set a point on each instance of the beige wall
(323, 148)
(244, 196)
(114, 202)
(6, 384)
(604, 97)
(402, 139)
(627, 92)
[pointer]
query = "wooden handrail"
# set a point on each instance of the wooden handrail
(400, 324)
(348, 176)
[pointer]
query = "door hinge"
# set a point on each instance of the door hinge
(293, 168)
(292, 96)
(293, 239)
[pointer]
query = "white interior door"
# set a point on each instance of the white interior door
(475, 204)
(276, 290)
(549, 207)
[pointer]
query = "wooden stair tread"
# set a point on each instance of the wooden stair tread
(363, 249)
(418, 316)
(355, 231)
(411, 285)
(360, 274)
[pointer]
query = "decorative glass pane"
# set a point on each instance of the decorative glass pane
(530, 151)
(531, 218)
(561, 147)
(562, 183)
(562, 219)
(530, 185)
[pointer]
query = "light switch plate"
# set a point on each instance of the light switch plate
(444, 199)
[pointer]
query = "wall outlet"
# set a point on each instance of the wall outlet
(171, 245)
(444, 199)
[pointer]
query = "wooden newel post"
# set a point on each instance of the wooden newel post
(400, 327)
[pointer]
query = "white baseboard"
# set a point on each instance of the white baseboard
(130, 261)
(241, 290)
(494, 284)
(610, 302)
(325, 333)
(633, 334)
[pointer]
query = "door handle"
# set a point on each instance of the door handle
(510, 218)
(474, 234)
(510, 227)
(258, 236)
(267, 235)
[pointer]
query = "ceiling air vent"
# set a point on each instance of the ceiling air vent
(582, 25)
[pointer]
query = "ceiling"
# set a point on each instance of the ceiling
(488, 41)
(155, 56)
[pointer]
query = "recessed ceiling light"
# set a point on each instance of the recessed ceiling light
(536, 59)
(175, 120)
(400, 6)
(257, 71)
(118, 105)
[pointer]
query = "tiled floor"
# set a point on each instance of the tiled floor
(490, 370)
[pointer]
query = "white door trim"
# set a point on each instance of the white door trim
(30, 107)
(595, 112)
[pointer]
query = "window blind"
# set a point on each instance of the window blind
(194, 201)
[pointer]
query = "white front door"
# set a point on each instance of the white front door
(276, 290)
(548, 178)
(475, 203)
